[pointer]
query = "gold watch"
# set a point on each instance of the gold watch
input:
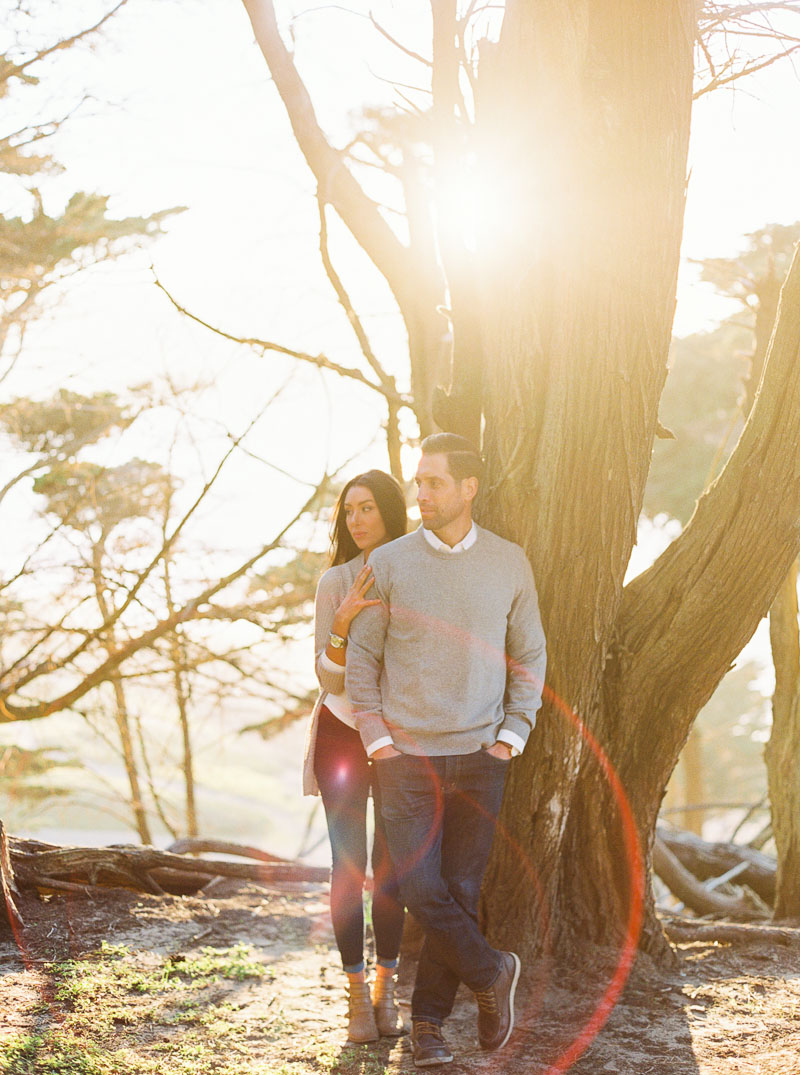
(336, 641)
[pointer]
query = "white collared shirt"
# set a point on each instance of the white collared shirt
(466, 542)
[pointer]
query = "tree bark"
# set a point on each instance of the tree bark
(596, 103)
(783, 749)
(9, 893)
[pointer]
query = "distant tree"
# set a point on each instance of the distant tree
(45, 239)
(52, 653)
(700, 407)
(105, 594)
(93, 501)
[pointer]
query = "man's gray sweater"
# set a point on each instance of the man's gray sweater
(455, 653)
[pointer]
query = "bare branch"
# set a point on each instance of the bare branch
(66, 43)
(108, 622)
(336, 183)
(320, 361)
(387, 382)
(397, 44)
(748, 69)
(10, 712)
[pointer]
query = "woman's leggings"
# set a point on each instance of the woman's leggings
(344, 777)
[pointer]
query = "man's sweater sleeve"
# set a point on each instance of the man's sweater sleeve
(363, 670)
(527, 659)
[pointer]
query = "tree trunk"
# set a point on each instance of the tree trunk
(693, 785)
(121, 715)
(179, 674)
(579, 318)
(781, 752)
(783, 749)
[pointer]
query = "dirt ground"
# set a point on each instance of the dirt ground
(269, 998)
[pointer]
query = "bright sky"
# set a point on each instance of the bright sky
(184, 115)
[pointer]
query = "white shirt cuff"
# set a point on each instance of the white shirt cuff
(384, 741)
(516, 742)
(331, 666)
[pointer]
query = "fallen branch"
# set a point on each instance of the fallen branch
(682, 929)
(709, 860)
(198, 845)
(142, 869)
(683, 884)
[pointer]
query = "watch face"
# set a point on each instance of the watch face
(337, 641)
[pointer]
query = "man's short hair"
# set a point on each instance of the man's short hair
(463, 460)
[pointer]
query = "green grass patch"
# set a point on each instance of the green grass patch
(119, 1012)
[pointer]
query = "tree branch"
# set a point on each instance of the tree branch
(397, 44)
(33, 711)
(337, 185)
(748, 69)
(66, 43)
(320, 361)
(685, 619)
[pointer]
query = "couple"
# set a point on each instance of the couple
(431, 658)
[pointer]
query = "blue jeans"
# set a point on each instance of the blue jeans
(439, 815)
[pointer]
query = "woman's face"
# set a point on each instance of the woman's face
(363, 519)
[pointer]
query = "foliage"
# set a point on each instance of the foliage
(48, 238)
(84, 494)
(60, 426)
(699, 406)
(707, 396)
(768, 252)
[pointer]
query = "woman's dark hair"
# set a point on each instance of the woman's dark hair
(391, 504)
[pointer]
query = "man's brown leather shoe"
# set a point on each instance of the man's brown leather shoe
(496, 1004)
(428, 1045)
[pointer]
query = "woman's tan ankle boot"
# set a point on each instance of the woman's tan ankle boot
(387, 1013)
(361, 1025)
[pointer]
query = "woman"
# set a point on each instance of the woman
(370, 511)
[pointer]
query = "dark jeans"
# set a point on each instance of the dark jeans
(440, 815)
(344, 777)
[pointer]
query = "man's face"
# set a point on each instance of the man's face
(441, 498)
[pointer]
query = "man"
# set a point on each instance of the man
(445, 678)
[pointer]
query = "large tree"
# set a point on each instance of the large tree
(574, 120)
